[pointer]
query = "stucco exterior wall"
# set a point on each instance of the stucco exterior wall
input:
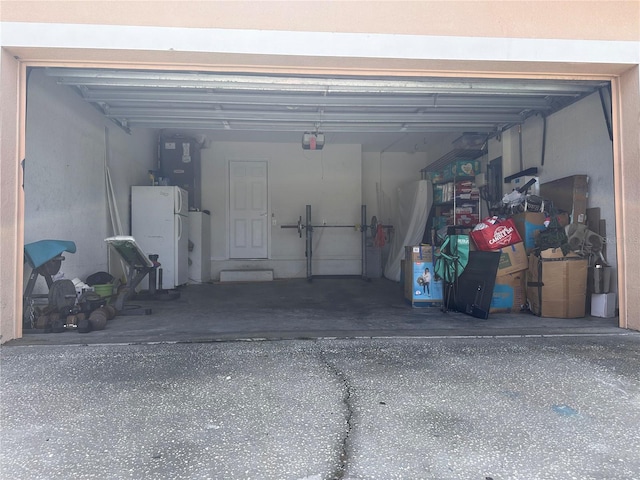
(10, 208)
(627, 179)
(611, 20)
(517, 39)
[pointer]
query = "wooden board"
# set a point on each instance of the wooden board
(593, 219)
(568, 194)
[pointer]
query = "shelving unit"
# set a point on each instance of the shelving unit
(456, 199)
(456, 202)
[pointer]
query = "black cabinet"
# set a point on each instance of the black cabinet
(180, 164)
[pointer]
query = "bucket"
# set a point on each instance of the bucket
(601, 279)
(104, 290)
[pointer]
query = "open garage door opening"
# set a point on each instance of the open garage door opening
(283, 206)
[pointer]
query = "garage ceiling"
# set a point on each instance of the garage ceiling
(382, 114)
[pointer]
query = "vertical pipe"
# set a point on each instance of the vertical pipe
(520, 147)
(363, 229)
(308, 238)
(544, 138)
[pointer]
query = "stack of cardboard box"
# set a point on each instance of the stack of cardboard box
(509, 292)
(551, 283)
(420, 286)
(555, 284)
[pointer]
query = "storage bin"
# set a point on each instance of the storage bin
(104, 290)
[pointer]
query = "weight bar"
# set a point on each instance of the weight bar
(373, 226)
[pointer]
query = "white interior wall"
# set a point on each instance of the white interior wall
(65, 194)
(382, 174)
(577, 143)
(330, 180)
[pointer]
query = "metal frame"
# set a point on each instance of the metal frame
(308, 227)
(231, 102)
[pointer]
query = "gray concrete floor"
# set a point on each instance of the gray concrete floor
(563, 407)
(295, 309)
(334, 379)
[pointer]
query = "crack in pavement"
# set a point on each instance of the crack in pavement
(341, 465)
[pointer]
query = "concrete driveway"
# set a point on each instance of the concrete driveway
(397, 408)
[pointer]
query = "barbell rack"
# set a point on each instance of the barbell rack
(308, 228)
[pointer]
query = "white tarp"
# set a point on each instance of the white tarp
(413, 202)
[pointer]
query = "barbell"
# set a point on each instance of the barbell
(373, 226)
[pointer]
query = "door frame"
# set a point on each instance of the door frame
(625, 98)
(228, 207)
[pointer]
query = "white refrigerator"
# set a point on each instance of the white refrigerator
(160, 225)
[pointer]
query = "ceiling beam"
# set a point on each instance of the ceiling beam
(117, 96)
(477, 127)
(436, 116)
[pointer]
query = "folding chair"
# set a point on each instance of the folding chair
(449, 264)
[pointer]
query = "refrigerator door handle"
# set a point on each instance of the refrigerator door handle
(179, 226)
(178, 201)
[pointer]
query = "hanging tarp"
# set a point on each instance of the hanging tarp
(413, 202)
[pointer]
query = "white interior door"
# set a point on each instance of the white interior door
(248, 209)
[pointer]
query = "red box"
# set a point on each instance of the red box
(495, 236)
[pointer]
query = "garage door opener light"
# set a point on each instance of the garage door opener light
(312, 141)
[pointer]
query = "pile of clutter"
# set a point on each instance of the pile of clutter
(551, 263)
(561, 231)
(76, 305)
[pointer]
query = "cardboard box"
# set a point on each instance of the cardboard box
(529, 225)
(513, 259)
(557, 284)
(418, 253)
(496, 236)
(568, 194)
(509, 293)
(437, 176)
(603, 305)
(470, 141)
(420, 287)
(462, 168)
(467, 220)
(465, 168)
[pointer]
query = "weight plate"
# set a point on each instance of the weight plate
(111, 311)
(57, 326)
(84, 326)
(62, 294)
(53, 266)
(374, 226)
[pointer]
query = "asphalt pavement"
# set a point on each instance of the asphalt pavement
(486, 408)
